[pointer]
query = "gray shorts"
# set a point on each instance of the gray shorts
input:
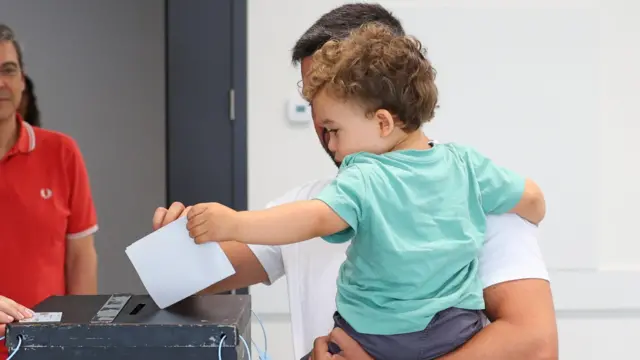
(448, 330)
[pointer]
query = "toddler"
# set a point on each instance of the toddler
(414, 210)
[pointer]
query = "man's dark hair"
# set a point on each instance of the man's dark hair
(338, 23)
(32, 112)
(6, 34)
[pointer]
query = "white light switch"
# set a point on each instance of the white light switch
(298, 109)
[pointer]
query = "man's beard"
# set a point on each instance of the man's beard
(325, 145)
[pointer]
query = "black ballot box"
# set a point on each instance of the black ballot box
(127, 327)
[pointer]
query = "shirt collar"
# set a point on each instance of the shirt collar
(26, 139)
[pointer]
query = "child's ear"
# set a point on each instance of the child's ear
(385, 121)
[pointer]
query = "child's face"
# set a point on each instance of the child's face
(350, 130)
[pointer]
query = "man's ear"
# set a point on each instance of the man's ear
(385, 122)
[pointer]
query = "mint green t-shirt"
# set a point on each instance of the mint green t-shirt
(417, 221)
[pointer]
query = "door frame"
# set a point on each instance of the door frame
(239, 66)
(239, 82)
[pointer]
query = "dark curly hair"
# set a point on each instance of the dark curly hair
(380, 70)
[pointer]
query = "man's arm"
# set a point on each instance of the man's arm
(249, 270)
(523, 324)
(81, 266)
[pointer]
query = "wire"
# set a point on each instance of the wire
(261, 355)
(264, 333)
(246, 346)
(17, 347)
(220, 347)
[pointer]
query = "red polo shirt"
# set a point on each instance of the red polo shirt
(45, 201)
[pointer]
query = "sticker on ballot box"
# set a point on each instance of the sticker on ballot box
(44, 317)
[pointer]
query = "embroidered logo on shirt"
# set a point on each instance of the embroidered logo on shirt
(46, 193)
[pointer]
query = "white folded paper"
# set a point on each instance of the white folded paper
(173, 267)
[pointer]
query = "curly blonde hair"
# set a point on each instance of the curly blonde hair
(380, 70)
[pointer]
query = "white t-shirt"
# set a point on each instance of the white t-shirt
(510, 252)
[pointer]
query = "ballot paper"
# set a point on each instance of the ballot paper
(173, 267)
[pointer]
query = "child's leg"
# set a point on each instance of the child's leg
(448, 330)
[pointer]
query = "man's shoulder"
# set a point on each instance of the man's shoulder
(303, 192)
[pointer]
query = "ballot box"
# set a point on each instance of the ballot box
(127, 327)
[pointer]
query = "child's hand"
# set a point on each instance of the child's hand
(212, 222)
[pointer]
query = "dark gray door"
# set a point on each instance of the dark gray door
(206, 102)
(206, 117)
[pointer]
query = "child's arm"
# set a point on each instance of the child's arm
(288, 223)
(334, 216)
(532, 205)
(502, 190)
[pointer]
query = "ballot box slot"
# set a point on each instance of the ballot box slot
(137, 309)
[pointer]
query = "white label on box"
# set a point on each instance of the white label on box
(44, 317)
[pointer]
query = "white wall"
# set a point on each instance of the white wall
(594, 271)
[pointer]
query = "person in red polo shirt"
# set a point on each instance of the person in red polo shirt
(47, 215)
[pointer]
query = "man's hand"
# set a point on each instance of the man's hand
(164, 216)
(351, 350)
(212, 222)
(10, 311)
